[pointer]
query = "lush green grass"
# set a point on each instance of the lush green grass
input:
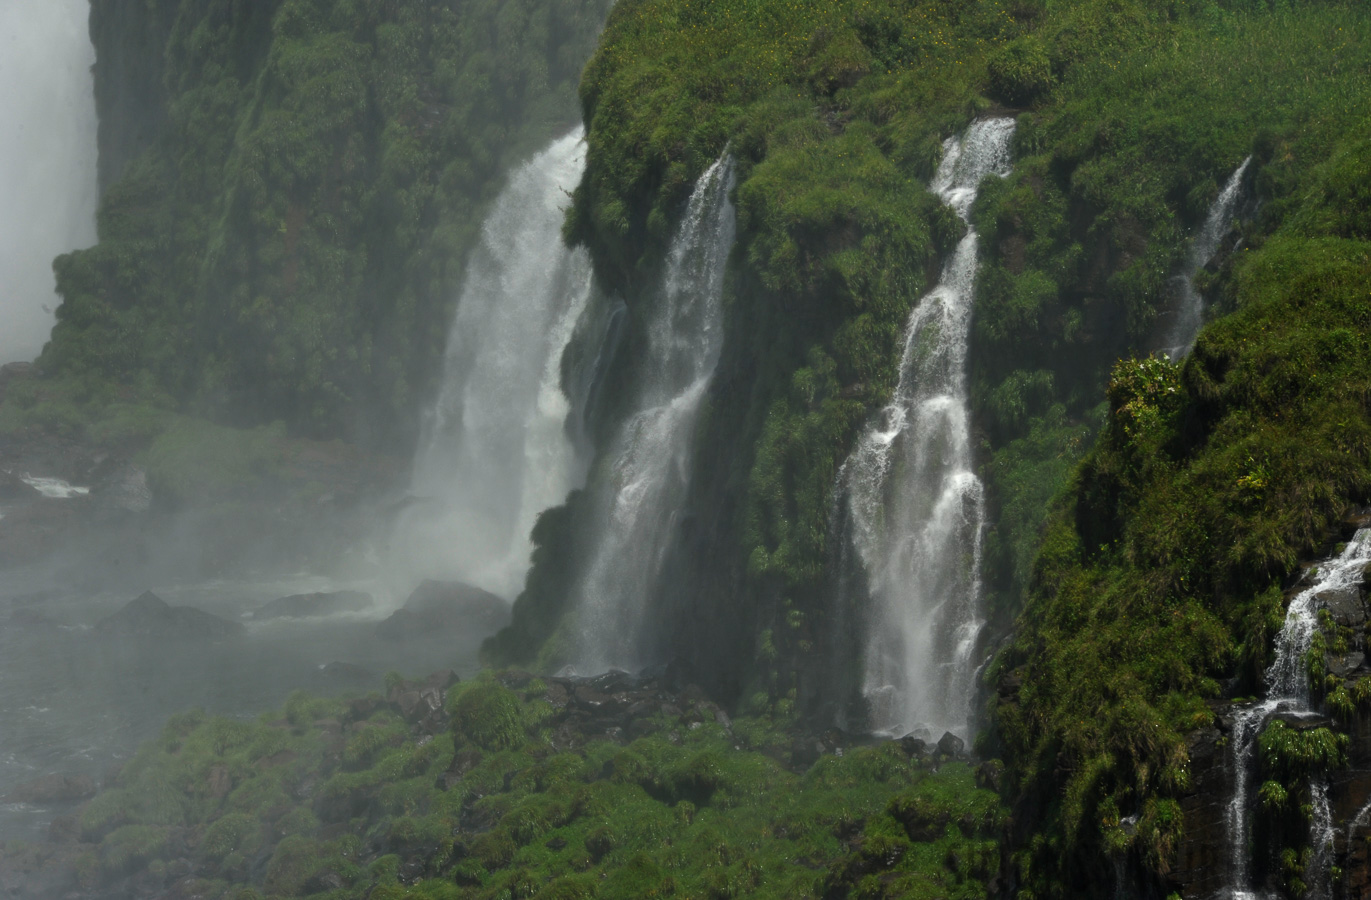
(686, 809)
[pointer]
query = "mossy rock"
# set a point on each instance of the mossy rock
(489, 715)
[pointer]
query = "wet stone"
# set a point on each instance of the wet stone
(951, 745)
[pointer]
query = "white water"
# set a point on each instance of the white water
(495, 450)
(915, 505)
(1180, 337)
(647, 468)
(1287, 687)
(47, 160)
(54, 488)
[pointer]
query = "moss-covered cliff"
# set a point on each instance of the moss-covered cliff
(290, 188)
(1211, 479)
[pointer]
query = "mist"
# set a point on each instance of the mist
(48, 187)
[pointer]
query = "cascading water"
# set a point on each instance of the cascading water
(647, 467)
(915, 507)
(1189, 312)
(1287, 689)
(495, 450)
(47, 160)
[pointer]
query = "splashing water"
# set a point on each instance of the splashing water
(915, 507)
(1287, 683)
(1189, 315)
(646, 471)
(495, 450)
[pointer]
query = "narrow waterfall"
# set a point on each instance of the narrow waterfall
(47, 160)
(1287, 691)
(645, 474)
(1179, 338)
(495, 450)
(914, 505)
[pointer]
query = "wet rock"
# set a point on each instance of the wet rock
(1345, 606)
(440, 608)
(346, 673)
(913, 746)
(951, 745)
(52, 789)
(151, 616)
(422, 703)
(1201, 865)
(1342, 666)
(302, 606)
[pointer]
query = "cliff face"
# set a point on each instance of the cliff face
(290, 191)
(1137, 577)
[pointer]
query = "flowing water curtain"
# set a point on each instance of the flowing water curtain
(642, 480)
(1287, 691)
(1189, 305)
(914, 504)
(495, 450)
(47, 160)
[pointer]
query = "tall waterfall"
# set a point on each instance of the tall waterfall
(915, 507)
(1287, 691)
(47, 160)
(646, 469)
(1179, 338)
(495, 450)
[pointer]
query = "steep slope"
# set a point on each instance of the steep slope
(1211, 479)
(290, 191)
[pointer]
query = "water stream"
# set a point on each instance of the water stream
(496, 449)
(914, 504)
(1287, 692)
(646, 470)
(1179, 338)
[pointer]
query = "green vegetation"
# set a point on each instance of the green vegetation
(323, 799)
(290, 189)
(1157, 571)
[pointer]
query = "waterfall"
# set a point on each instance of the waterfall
(1189, 310)
(1287, 689)
(47, 160)
(495, 450)
(914, 506)
(643, 478)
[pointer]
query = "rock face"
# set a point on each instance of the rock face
(439, 608)
(150, 616)
(303, 606)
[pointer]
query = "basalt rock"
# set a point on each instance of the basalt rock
(150, 616)
(444, 608)
(302, 606)
(52, 789)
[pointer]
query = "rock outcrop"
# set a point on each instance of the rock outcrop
(438, 608)
(304, 606)
(149, 616)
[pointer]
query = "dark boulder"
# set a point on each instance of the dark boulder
(150, 616)
(443, 608)
(52, 789)
(951, 745)
(303, 606)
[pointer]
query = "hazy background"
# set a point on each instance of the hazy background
(47, 160)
